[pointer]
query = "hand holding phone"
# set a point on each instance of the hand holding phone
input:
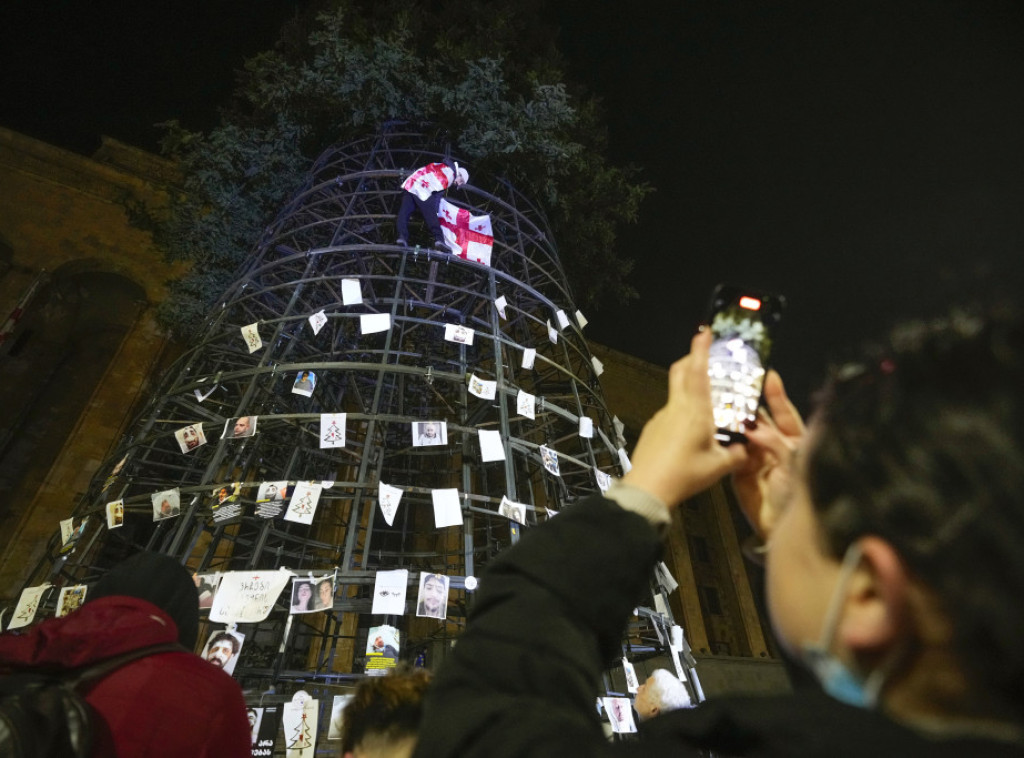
(744, 323)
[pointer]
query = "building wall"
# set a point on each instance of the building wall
(82, 351)
(717, 601)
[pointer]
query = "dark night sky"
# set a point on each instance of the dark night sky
(864, 158)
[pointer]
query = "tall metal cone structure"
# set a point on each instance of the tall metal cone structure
(336, 236)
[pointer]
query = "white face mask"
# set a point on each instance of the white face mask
(832, 674)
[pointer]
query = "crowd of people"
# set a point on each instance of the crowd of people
(891, 524)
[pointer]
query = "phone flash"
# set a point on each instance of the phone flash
(750, 303)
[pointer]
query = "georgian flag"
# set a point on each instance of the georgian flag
(469, 237)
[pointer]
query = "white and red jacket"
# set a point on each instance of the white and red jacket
(434, 177)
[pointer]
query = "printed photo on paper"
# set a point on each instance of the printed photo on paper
(429, 433)
(190, 437)
(432, 601)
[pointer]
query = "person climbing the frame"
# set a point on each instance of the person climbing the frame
(423, 190)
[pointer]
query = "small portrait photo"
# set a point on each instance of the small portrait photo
(190, 437)
(427, 433)
(227, 493)
(222, 649)
(304, 595)
(70, 598)
(166, 504)
(305, 383)
(514, 511)
(271, 492)
(550, 460)
(243, 426)
(382, 649)
(115, 514)
(206, 588)
(384, 641)
(255, 717)
(323, 600)
(432, 601)
(620, 714)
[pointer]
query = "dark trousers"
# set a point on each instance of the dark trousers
(427, 208)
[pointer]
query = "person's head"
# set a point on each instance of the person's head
(165, 507)
(305, 376)
(434, 595)
(383, 716)
(222, 494)
(242, 426)
(913, 470)
(429, 429)
(325, 593)
(272, 492)
(222, 648)
(378, 643)
(619, 709)
(461, 175)
(190, 436)
(252, 717)
(303, 594)
(661, 692)
(160, 580)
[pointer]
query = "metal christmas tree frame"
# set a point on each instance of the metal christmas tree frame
(340, 225)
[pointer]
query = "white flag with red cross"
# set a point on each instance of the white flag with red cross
(469, 237)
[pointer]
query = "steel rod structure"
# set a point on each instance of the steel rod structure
(332, 251)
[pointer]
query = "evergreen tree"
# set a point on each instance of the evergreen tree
(485, 73)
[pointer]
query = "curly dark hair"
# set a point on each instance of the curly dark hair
(232, 640)
(923, 446)
(385, 708)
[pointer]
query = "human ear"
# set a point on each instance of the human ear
(875, 614)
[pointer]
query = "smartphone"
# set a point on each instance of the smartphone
(744, 323)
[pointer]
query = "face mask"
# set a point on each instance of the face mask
(833, 675)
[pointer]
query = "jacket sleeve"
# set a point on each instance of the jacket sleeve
(550, 612)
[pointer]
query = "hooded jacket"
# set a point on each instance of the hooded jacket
(165, 704)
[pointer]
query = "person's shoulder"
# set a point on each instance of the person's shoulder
(189, 667)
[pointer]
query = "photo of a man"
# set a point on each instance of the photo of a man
(166, 504)
(514, 511)
(305, 383)
(432, 600)
(115, 514)
(324, 594)
(243, 426)
(382, 647)
(620, 714)
(428, 433)
(227, 493)
(378, 645)
(206, 588)
(190, 437)
(255, 717)
(222, 649)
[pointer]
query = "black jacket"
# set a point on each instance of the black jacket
(549, 615)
